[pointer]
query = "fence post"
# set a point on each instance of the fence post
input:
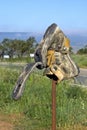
(54, 104)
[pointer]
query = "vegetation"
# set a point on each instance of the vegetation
(17, 48)
(34, 107)
(33, 110)
(80, 60)
(82, 50)
(80, 57)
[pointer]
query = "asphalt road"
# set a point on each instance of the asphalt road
(83, 72)
(81, 79)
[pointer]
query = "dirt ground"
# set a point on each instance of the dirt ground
(7, 122)
(5, 125)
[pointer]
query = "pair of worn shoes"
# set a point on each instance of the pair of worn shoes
(53, 52)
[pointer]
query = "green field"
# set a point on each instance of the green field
(81, 60)
(33, 110)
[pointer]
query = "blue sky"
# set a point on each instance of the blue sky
(37, 15)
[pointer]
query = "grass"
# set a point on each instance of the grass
(35, 104)
(81, 60)
(17, 59)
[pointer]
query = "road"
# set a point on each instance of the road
(82, 77)
(83, 72)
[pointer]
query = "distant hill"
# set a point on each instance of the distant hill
(77, 41)
(19, 35)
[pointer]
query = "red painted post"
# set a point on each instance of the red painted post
(54, 104)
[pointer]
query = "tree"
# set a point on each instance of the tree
(17, 47)
(1, 51)
(30, 44)
(71, 50)
(82, 50)
(7, 45)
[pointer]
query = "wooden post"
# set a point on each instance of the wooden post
(54, 104)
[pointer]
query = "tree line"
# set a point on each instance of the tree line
(18, 48)
(82, 50)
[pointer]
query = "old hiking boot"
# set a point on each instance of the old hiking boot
(53, 52)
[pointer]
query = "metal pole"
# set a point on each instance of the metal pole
(54, 104)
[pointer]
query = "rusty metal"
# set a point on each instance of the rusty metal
(54, 104)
